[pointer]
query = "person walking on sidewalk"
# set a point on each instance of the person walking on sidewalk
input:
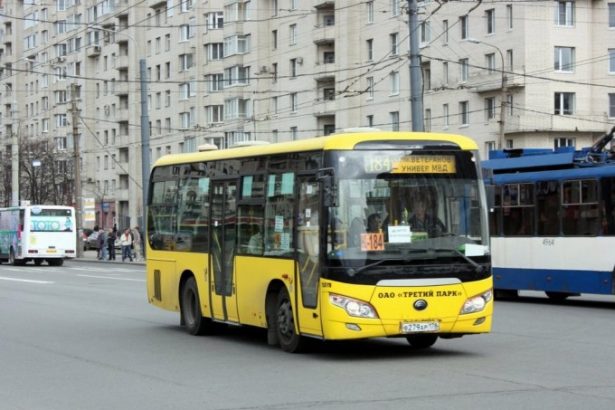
(126, 242)
(136, 243)
(111, 237)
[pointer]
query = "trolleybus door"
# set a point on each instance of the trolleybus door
(223, 223)
(308, 255)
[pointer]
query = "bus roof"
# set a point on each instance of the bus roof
(342, 141)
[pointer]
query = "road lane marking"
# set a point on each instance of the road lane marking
(111, 277)
(42, 282)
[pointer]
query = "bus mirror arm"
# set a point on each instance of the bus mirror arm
(326, 176)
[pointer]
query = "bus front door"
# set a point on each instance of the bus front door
(223, 294)
(308, 251)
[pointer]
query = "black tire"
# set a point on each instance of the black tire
(55, 262)
(422, 341)
(11, 257)
(38, 262)
(190, 310)
(288, 338)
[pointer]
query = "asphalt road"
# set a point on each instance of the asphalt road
(83, 336)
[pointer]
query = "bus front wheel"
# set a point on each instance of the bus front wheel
(422, 341)
(288, 338)
(190, 310)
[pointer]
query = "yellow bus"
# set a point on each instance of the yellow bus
(349, 236)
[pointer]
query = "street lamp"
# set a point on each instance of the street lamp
(502, 88)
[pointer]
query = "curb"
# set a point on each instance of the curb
(115, 262)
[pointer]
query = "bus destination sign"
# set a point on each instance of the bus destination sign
(425, 164)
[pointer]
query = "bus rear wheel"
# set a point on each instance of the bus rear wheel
(559, 296)
(422, 341)
(288, 338)
(190, 310)
(55, 262)
(38, 262)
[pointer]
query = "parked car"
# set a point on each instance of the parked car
(91, 242)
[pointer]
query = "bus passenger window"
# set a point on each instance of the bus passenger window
(250, 229)
(279, 215)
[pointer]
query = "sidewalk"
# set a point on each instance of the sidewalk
(90, 256)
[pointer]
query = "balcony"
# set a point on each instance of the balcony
(484, 81)
(156, 4)
(324, 35)
(121, 62)
(122, 115)
(92, 51)
(120, 88)
(325, 107)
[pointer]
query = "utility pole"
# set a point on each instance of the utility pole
(144, 147)
(77, 169)
(416, 80)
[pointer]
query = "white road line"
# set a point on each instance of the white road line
(110, 277)
(41, 282)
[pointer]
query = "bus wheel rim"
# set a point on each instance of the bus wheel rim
(285, 319)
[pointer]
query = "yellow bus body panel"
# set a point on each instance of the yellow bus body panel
(394, 306)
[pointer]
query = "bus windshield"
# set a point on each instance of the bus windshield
(401, 206)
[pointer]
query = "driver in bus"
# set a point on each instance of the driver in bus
(423, 221)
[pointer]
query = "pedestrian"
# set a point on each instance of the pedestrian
(136, 242)
(102, 245)
(111, 237)
(126, 243)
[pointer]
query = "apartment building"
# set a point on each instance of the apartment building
(224, 72)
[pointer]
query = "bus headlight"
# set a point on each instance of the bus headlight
(476, 303)
(353, 307)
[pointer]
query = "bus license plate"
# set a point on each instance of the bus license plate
(419, 327)
(51, 251)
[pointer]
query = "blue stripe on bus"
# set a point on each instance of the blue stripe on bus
(572, 281)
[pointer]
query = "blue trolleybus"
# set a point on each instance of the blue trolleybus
(553, 220)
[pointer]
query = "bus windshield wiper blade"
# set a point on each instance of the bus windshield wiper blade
(477, 267)
(353, 272)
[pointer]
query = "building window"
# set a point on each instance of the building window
(464, 68)
(185, 61)
(294, 133)
(214, 113)
(612, 15)
(328, 94)
(328, 57)
(445, 31)
(370, 12)
(509, 16)
(563, 142)
(564, 13)
(293, 34)
(564, 59)
(463, 25)
(612, 105)
(427, 120)
(370, 120)
(489, 108)
(370, 88)
(293, 67)
(394, 46)
(489, 146)
(445, 118)
(274, 39)
(394, 77)
(425, 33)
(293, 102)
(564, 103)
(394, 120)
(464, 112)
(509, 59)
(215, 51)
(611, 60)
(445, 73)
(395, 9)
(215, 20)
(370, 49)
(490, 20)
(215, 82)
(490, 62)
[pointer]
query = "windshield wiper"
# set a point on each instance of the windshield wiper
(352, 271)
(478, 268)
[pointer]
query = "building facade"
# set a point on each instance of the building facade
(224, 72)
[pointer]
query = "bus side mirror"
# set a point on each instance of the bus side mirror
(326, 177)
